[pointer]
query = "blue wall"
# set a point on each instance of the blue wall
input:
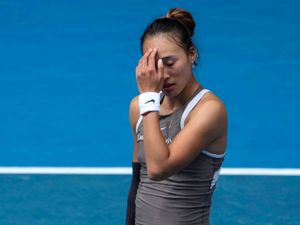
(67, 77)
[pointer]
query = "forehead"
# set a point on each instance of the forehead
(164, 44)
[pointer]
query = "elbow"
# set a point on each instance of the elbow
(156, 174)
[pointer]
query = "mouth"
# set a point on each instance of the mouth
(168, 85)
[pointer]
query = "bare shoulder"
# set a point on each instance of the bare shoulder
(210, 111)
(211, 103)
(134, 111)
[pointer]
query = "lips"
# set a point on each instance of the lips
(168, 85)
(168, 88)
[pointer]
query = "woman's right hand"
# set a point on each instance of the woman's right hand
(149, 76)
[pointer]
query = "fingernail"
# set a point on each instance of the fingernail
(160, 61)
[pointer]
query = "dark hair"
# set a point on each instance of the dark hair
(179, 24)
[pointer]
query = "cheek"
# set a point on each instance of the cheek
(180, 72)
(183, 76)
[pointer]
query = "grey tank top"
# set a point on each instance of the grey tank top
(185, 197)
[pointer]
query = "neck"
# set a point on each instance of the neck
(185, 95)
(188, 91)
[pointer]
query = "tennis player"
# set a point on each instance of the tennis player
(179, 129)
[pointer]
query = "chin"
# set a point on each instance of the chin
(170, 93)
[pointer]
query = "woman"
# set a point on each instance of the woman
(179, 129)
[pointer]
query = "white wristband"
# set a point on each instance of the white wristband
(148, 102)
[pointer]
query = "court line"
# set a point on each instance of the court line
(127, 171)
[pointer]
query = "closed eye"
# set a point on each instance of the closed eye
(169, 64)
(168, 61)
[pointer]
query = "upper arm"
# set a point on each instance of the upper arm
(134, 115)
(206, 123)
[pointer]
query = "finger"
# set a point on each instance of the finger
(144, 62)
(151, 60)
(143, 56)
(137, 71)
(160, 69)
(149, 51)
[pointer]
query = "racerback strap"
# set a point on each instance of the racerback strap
(191, 105)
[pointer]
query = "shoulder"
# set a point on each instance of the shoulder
(210, 111)
(211, 103)
(134, 111)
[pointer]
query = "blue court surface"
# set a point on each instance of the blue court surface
(66, 80)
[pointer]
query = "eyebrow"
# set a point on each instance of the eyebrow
(167, 58)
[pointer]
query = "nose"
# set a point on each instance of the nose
(166, 76)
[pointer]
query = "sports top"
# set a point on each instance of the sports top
(185, 197)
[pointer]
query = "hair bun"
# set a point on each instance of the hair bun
(184, 17)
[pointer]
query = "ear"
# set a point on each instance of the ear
(192, 54)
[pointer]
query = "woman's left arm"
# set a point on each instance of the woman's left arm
(206, 123)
